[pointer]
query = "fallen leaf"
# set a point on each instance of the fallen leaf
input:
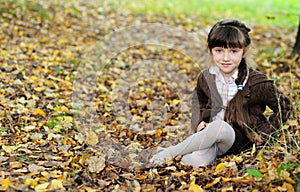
(34, 167)
(209, 185)
(92, 138)
(158, 133)
(5, 184)
(194, 187)
(2, 159)
(42, 187)
(56, 184)
(95, 164)
(15, 165)
(288, 187)
(40, 112)
(228, 189)
(9, 149)
(29, 128)
(220, 168)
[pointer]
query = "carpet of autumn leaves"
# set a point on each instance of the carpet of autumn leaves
(87, 93)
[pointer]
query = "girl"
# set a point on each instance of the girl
(229, 101)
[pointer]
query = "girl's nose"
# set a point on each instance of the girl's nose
(226, 55)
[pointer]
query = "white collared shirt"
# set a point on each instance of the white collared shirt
(227, 90)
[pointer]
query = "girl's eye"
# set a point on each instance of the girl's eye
(234, 51)
(218, 50)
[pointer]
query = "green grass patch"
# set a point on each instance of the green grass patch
(14, 7)
(266, 12)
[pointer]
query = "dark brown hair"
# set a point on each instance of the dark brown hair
(229, 33)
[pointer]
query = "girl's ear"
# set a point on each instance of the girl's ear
(246, 49)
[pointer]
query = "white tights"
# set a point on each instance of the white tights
(202, 147)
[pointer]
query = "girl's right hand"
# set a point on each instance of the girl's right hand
(201, 126)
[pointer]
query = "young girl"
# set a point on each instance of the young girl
(229, 102)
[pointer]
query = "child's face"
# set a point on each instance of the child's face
(227, 59)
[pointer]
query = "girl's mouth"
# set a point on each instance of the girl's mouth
(226, 64)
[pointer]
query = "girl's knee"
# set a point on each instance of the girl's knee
(219, 122)
(219, 125)
(221, 129)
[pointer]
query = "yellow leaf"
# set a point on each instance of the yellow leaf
(209, 185)
(56, 184)
(61, 109)
(194, 187)
(175, 102)
(158, 133)
(15, 164)
(225, 179)
(56, 52)
(293, 122)
(238, 159)
(9, 149)
(288, 187)
(220, 167)
(290, 180)
(31, 182)
(122, 119)
(68, 118)
(227, 189)
(42, 187)
(39, 89)
(5, 184)
(45, 173)
(92, 138)
(38, 111)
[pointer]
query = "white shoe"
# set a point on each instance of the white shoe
(162, 154)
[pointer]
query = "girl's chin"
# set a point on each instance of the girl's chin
(227, 72)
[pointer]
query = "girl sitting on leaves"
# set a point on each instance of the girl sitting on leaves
(229, 102)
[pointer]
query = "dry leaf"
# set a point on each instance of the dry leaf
(92, 138)
(9, 149)
(40, 112)
(209, 185)
(42, 187)
(5, 184)
(95, 164)
(15, 165)
(194, 187)
(220, 168)
(56, 184)
(34, 168)
(51, 73)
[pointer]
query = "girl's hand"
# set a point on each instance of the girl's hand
(201, 126)
(257, 139)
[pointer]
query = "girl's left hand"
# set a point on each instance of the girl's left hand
(201, 126)
(257, 139)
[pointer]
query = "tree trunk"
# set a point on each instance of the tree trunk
(296, 48)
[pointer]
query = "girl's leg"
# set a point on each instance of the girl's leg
(217, 133)
(200, 157)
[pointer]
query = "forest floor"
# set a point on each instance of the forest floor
(88, 93)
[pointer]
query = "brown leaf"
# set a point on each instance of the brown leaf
(34, 168)
(95, 164)
(92, 138)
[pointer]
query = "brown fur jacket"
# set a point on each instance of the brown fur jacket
(259, 92)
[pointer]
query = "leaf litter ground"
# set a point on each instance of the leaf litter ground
(88, 93)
